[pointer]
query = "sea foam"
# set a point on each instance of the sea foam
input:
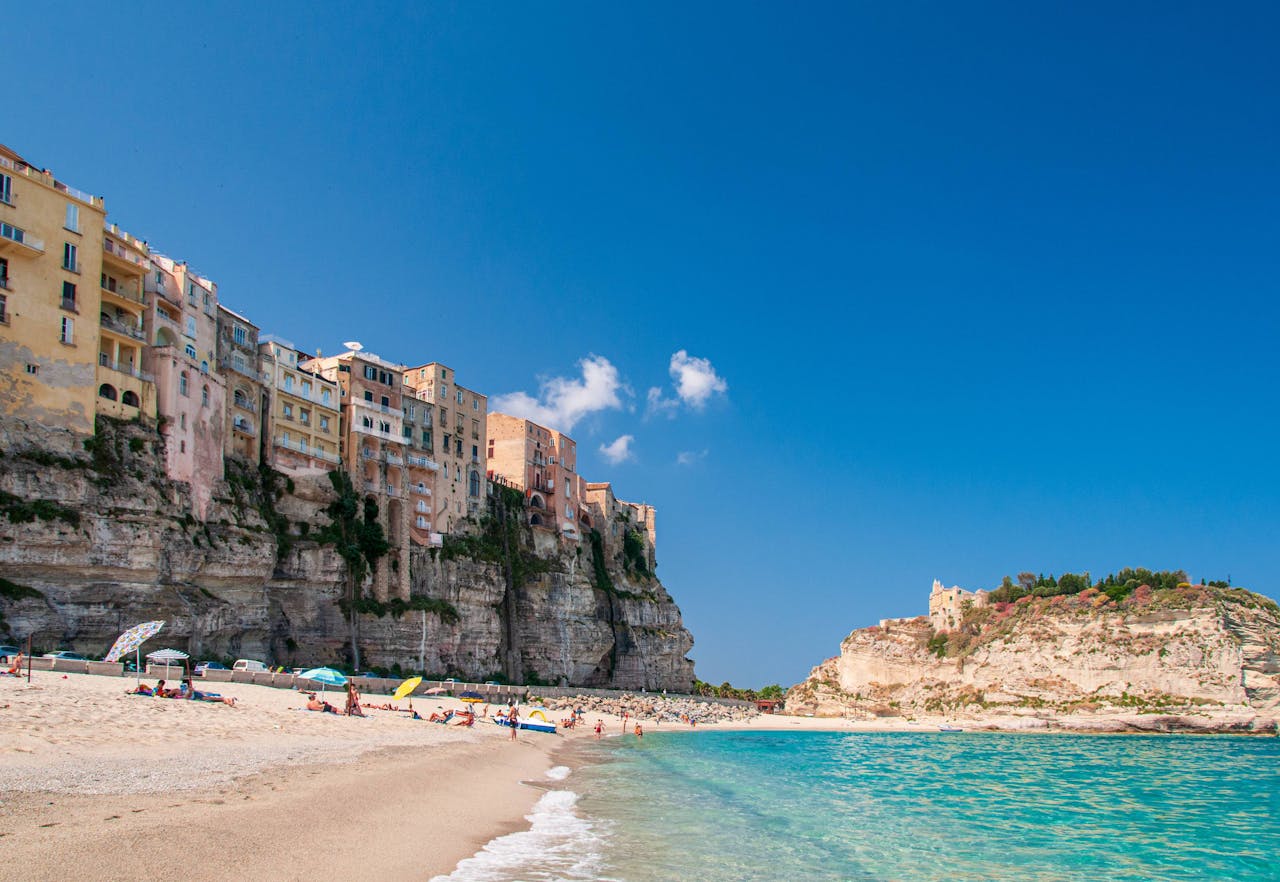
(558, 773)
(559, 845)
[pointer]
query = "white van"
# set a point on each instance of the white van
(248, 664)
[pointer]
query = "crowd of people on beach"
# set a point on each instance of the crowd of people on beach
(186, 691)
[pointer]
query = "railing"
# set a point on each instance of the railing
(165, 317)
(422, 462)
(242, 425)
(122, 367)
(125, 254)
(119, 327)
(21, 236)
(393, 459)
(423, 508)
(126, 293)
(420, 489)
(366, 453)
(298, 446)
(381, 408)
(244, 404)
(27, 171)
(377, 433)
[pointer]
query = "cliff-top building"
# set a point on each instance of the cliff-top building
(373, 451)
(303, 421)
(447, 422)
(543, 463)
(614, 519)
(947, 606)
(246, 394)
(181, 321)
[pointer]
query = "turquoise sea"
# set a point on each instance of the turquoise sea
(716, 806)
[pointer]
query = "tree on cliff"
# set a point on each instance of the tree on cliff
(354, 532)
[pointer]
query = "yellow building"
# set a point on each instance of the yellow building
(448, 423)
(302, 425)
(51, 255)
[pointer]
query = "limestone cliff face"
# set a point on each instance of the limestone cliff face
(104, 541)
(1193, 649)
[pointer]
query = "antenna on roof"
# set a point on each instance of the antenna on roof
(353, 345)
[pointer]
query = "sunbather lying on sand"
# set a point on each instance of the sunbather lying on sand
(141, 689)
(466, 718)
(324, 707)
(438, 718)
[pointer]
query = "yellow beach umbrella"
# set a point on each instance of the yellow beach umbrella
(406, 688)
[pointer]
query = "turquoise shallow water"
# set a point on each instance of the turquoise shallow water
(913, 807)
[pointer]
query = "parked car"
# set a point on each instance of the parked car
(449, 680)
(8, 652)
(66, 654)
(209, 666)
(249, 664)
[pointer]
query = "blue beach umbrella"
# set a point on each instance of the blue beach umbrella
(325, 677)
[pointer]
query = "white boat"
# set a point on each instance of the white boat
(950, 729)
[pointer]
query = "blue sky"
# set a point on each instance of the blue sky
(961, 291)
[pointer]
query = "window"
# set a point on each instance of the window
(182, 421)
(408, 433)
(368, 396)
(6, 189)
(324, 424)
(33, 369)
(286, 439)
(190, 328)
(370, 372)
(191, 293)
(204, 367)
(4, 272)
(422, 522)
(304, 417)
(366, 422)
(240, 335)
(475, 403)
(306, 389)
(207, 301)
(324, 396)
(68, 334)
(69, 257)
(182, 384)
(73, 217)
(426, 440)
(288, 411)
(288, 382)
(182, 446)
(386, 402)
(473, 484)
(459, 396)
(444, 392)
(237, 362)
(191, 352)
(204, 397)
(9, 231)
(384, 426)
(446, 443)
(69, 296)
(384, 378)
(160, 279)
(4, 310)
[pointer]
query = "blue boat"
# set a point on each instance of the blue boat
(532, 727)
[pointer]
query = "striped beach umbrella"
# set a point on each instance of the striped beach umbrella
(130, 640)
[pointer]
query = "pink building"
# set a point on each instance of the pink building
(542, 462)
(191, 400)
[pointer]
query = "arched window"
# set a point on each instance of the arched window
(240, 399)
(191, 351)
(106, 390)
(204, 367)
(536, 501)
(129, 398)
(536, 520)
(204, 397)
(182, 384)
(473, 484)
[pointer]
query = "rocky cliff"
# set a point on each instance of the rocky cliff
(95, 539)
(1191, 651)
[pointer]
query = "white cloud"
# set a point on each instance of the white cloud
(658, 404)
(562, 402)
(619, 451)
(696, 380)
(689, 457)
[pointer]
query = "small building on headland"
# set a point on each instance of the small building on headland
(947, 606)
(767, 705)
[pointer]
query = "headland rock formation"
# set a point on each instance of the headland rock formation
(1138, 651)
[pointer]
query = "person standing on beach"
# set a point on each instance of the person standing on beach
(599, 728)
(513, 720)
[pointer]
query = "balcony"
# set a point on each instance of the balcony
(116, 326)
(420, 489)
(243, 426)
(122, 257)
(37, 175)
(15, 240)
(393, 459)
(380, 408)
(422, 462)
(422, 508)
(127, 293)
(366, 453)
(299, 447)
(122, 367)
(376, 433)
(244, 404)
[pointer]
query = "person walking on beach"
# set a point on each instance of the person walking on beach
(513, 720)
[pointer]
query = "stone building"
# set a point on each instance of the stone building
(947, 606)
(302, 424)
(614, 519)
(446, 425)
(247, 398)
(373, 451)
(182, 327)
(543, 463)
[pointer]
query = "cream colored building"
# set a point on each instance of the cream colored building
(237, 352)
(181, 321)
(303, 422)
(125, 385)
(51, 256)
(448, 424)
(373, 452)
(542, 462)
(947, 606)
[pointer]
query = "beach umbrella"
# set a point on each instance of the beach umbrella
(406, 688)
(471, 697)
(325, 677)
(168, 655)
(131, 640)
